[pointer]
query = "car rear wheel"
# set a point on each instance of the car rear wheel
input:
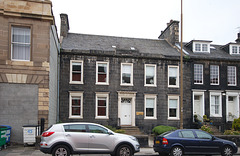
(227, 151)
(61, 150)
(124, 150)
(176, 151)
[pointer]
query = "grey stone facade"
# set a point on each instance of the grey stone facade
(90, 49)
(89, 88)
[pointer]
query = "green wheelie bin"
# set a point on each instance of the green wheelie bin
(2, 137)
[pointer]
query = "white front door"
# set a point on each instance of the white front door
(198, 104)
(232, 107)
(126, 111)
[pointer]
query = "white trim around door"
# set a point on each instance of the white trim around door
(126, 108)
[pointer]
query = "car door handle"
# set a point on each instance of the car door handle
(67, 135)
(92, 136)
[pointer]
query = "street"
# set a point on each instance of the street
(17, 150)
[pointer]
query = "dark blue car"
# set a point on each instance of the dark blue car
(192, 141)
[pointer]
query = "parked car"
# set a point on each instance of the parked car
(86, 138)
(192, 141)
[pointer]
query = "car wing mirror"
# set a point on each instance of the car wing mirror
(110, 133)
(213, 138)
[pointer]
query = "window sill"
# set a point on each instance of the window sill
(126, 84)
(169, 86)
(75, 82)
(150, 85)
(75, 117)
(101, 117)
(105, 84)
(148, 118)
(173, 119)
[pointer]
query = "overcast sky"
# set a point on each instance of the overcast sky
(214, 20)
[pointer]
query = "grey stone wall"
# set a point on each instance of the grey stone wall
(18, 107)
(89, 88)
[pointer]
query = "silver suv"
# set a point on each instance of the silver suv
(86, 138)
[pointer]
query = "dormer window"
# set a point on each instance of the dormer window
(234, 49)
(201, 47)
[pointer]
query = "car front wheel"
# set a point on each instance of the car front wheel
(61, 150)
(124, 150)
(176, 151)
(227, 151)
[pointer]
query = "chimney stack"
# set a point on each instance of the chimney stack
(238, 38)
(64, 25)
(171, 33)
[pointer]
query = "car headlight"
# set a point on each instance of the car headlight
(133, 138)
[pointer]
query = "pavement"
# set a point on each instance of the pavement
(20, 150)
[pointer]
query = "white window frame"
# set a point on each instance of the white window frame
(21, 43)
(155, 76)
(214, 73)
(231, 46)
(102, 95)
(150, 96)
(220, 104)
(76, 82)
(177, 80)
(72, 94)
(235, 75)
(175, 97)
(107, 76)
(194, 72)
(202, 44)
(131, 78)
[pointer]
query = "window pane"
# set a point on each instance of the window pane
(102, 101)
(102, 72)
(126, 78)
(76, 106)
(214, 74)
(21, 45)
(202, 135)
(21, 35)
(76, 71)
(75, 128)
(20, 51)
(149, 112)
(101, 111)
(126, 68)
(172, 112)
(150, 102)
(102, 106)
(198, 73)
(97, 129)
(188, 134)
(172, 103)
(197, 47)
(76, 111)
(204, 47)
(215, 104)
(150, 73)
(234, 49)
(173, 72)
(231, 75)
(126, 73)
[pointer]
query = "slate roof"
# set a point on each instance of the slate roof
(105, 43)
(216, 53)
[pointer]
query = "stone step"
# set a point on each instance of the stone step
(131, 130)
(214, 129)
